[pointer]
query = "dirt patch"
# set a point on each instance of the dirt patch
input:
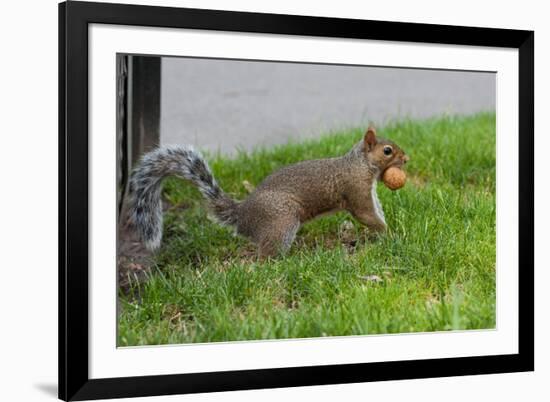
(348, 237)
(133, 259)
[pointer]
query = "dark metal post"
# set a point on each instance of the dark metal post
(144, 106)
(138, 118)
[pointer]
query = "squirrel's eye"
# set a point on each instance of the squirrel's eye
(387, 150)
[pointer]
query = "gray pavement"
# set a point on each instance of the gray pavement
(225, 104)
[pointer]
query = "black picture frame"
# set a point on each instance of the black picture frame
(74, 18)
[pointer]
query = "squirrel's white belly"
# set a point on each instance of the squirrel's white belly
(376, 202)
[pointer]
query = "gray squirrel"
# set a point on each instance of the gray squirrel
(275, 210)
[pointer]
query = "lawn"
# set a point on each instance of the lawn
(433, 271)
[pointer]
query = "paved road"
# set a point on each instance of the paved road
(222, 104)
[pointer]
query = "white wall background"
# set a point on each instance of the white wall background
(28, 201)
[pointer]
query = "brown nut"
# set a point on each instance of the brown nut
(394, 178)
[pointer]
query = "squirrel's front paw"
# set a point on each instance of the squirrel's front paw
(374, 231)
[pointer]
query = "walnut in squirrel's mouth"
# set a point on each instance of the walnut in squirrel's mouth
(394, 178)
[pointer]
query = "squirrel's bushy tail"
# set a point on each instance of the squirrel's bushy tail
(145, 209)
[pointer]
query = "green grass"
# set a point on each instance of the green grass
(436, 263)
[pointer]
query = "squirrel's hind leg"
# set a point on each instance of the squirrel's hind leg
(277, 237)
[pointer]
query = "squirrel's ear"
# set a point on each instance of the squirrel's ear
(370, 138)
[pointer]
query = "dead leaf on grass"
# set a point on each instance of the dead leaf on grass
(372, 278)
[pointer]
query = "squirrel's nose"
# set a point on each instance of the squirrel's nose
(405, 159)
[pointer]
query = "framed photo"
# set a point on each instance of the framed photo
(221, 227)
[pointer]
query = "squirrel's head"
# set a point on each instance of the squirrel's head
(382, 153)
